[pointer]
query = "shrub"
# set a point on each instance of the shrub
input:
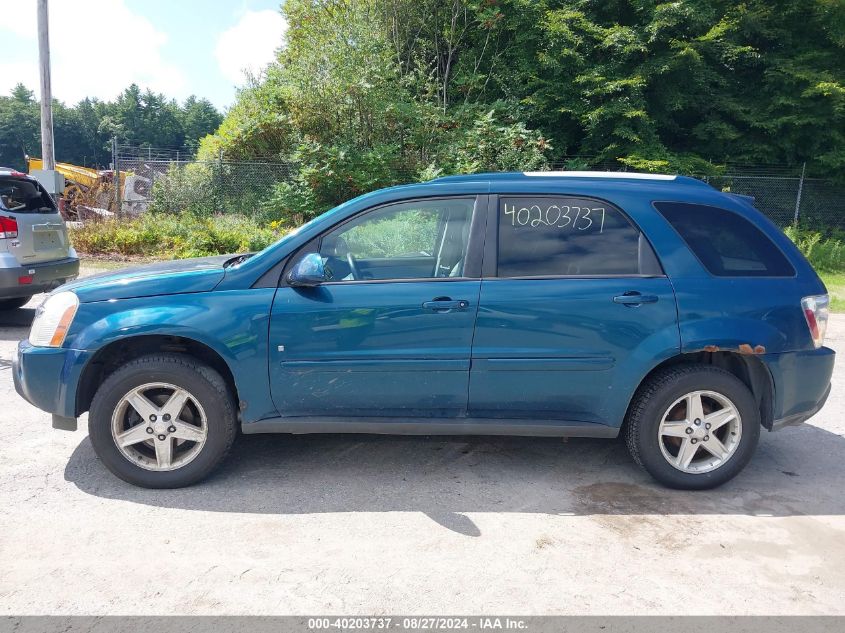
(329, 175)
(186, 188)
(825, 252)
(163, 236)
(488, 144)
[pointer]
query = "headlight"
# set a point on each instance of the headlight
(52, 320)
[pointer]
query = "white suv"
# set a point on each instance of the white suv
(35, 252)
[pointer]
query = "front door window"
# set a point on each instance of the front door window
(410, 240)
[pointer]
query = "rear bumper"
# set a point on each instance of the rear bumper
(800, 418)
(801, 384)
(45, 276)
(47, 377)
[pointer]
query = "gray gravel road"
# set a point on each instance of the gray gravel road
(331, 524)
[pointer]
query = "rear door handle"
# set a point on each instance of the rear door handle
(445, 304)
(634, 298)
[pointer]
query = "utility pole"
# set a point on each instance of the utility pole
(115, 165)
(48, 154)
(49, 178)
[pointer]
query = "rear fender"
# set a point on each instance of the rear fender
(627, 376)
(729, 334)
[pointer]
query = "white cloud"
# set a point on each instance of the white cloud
(250, 45)
(98, 47)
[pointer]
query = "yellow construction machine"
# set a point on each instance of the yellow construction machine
(90, 192)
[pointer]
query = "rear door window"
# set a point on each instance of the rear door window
(725, 243)
(564, 236)
(24, 196)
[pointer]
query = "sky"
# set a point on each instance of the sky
(176, 47)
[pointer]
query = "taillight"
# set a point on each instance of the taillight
(816, 310)
(8, 227)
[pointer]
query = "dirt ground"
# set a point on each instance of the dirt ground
(381, 525)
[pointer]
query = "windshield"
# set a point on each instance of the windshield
(23, 196)
(279, 242)
(272, 250)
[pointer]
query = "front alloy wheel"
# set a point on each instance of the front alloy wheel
(162, 421)
(159, 426)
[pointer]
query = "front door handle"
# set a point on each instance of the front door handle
(445, 304)
(634, 298)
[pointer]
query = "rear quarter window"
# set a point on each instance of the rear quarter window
(23, 196)
(724, 242)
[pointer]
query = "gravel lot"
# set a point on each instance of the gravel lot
(375, 525)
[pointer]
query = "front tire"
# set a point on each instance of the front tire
(693, 427)
(162, 421)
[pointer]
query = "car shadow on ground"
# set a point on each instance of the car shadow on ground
(797, 471)
(14, 324)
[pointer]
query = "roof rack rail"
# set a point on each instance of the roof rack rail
(620, 176)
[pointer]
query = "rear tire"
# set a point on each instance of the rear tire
(693, 427)
(14, 303)
(177, 441)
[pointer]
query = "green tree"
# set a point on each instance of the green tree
(144, 118)
(20, 133)
(198, 118)
(356, 103)
(650, 85)
(672, 85)
(83, 132)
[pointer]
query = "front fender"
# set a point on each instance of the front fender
(234, 324)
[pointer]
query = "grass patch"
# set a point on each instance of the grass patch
(835, 283)
(164, 236)
(826, 253)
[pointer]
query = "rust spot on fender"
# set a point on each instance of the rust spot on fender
(745, 348)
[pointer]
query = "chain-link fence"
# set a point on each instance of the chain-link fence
(173, 180)
(809, 202)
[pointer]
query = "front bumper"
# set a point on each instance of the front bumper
(45, 277)
(47, 377)
(801, 384)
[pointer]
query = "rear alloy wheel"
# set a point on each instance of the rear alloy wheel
(693, 426)
(162, 421)
(697, 442)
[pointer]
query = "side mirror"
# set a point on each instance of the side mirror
(308, 272)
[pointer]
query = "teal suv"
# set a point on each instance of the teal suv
(541, 304)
